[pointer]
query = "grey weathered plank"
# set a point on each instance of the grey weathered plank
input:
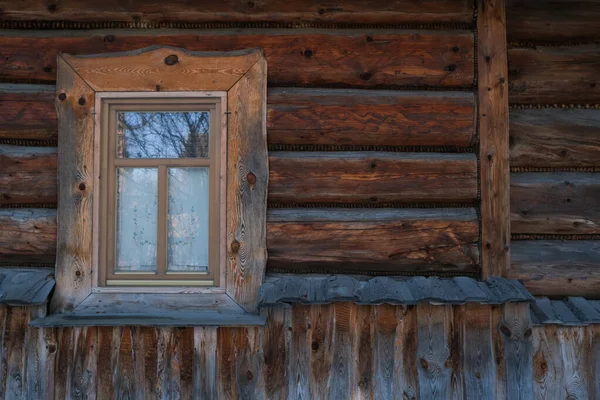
(205, 365)
(25, 286)
(574, 347)
(548, 372)
(300, 354)
(340, 352)
(516, 331)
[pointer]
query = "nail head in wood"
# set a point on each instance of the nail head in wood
(251, 178)
(172, 59)
(62, 96)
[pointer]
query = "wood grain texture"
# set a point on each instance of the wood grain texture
(373, 240)
(372, 177)
(27, 235)
(493, 138)
(555, 203)
(27, 112)
(247, 202)
(556, 138)
(557, 268)
(549, 75)
(354, 11)
(27, 175)
(340, 57)
(75, 188)
(361, 117)
(204, 363)
(552, 21)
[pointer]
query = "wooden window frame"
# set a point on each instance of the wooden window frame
(83, 82)
(107, 106)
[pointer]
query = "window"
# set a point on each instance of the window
(160, 162)
(163, 175)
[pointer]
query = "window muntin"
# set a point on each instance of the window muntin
(160, 163)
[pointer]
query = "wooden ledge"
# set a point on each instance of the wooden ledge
(21, 286)
(154, 310)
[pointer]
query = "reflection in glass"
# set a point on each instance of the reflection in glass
(162, 134)
(137, 207)
(188, 221)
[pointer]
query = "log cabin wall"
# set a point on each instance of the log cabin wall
(393, 153)
(554, 95)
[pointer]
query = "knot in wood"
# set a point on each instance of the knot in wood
(172, 59)
(315, 346)
(81, 101)
(249, 375)
(251, 178)
(62, 96)
(235, 246)
(109, 38)
(365, 76)
(505, 330)
(82, 186)
(424, 363)
(307, 53)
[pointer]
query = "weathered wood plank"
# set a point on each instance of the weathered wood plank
(275, 346)
(105, 369)
(354, 11)
(555, 203)
(321, 343)
(433, 351)
(205, 363)
(384, 323)
(27, 112)
(83, 363)
(306, 57)
(27, 235)
(27, 175)
(548, 373)
(516, 331)
(574, 346)
(549, 75)
(40, 350)
(300, 353)
(374, 240)
(15, 353)
(371, 177)
(362, 373)
(555, 137)
(553, 21)
(361, 117)
(493, 138)
(557, 268)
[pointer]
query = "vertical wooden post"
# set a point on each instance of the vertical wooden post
(493, 133)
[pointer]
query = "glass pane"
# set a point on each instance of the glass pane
(162, 134)
(188, 220)
(137, 208)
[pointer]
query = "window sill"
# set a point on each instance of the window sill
(103, 309)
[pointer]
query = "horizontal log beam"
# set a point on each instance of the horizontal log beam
(296, 116)
(556, 138)
(557, 268)
(143, 11)
(363, 117)
(371, 177)
(549, 75)
(29, 176)
(373, 240)
(367, 240)
(553, 21)
(27, 235)
(555, 203)
(361, 58)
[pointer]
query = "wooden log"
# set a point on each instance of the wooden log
(27, 235)
(27, 175)
(372, 177)
(493, 138)
(554, 75)
(362, 117)
(27, 112)
(145, 11)
(374, 240)
(555, 203)
(552, 21)
(362, 58)
(557, 268)
(555, 138)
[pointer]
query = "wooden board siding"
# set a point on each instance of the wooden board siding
(557, 268)
(362, 58)
(550, 75)
(27, 235)
(371, 177)
(27, 112)
(555, 137)
(553, 21)
(27, 175)
(410, 352)
(555, 203)
(374, 240)
(353, 11)
(362, 117)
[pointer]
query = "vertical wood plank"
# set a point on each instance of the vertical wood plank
(406, 379)
(17, 325)
(123, 373)
(150, 340)
(478, 361)
(139, 369)
(83, 363)
(386, 324)
(322, 350)
(574, 347)
(186, 362)
(339, 382)
(455, 362)
(75, 187)
(62, 378)
(40, 349)
(247, 198)
(299, 354)
(363, 355)
(275, 344)
(433, 350)
(516, 332)
(4, 311)
(205, 365)
(493, 137)
(105, 367)
(548, 374)
(594, 366)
